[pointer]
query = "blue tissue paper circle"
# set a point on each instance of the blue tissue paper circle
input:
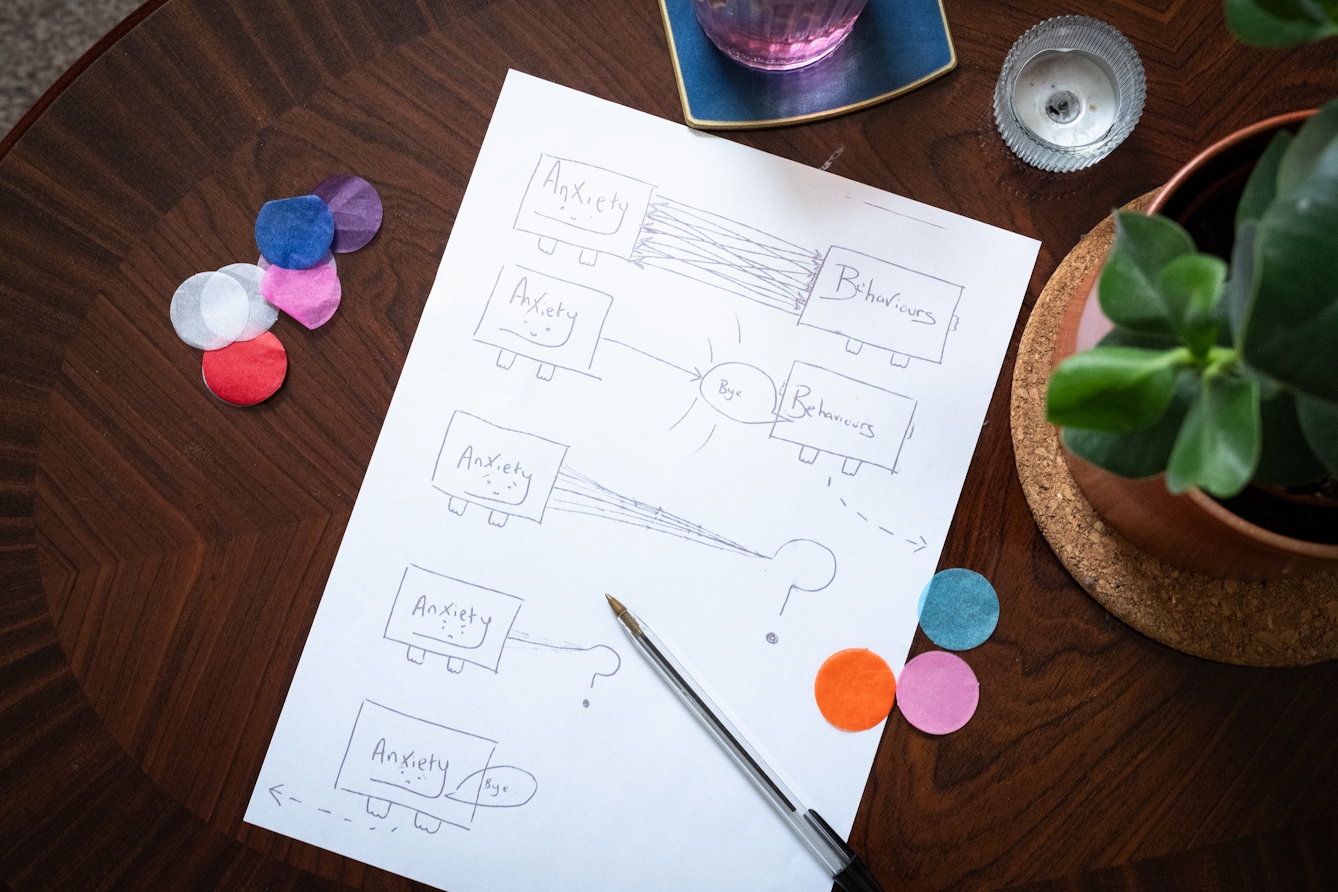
(294, 233)
(958, 609)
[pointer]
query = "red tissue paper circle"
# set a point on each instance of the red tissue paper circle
(246, 372)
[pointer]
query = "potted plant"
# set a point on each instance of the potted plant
(1222, 371)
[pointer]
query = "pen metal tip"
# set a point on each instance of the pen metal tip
(623, 614)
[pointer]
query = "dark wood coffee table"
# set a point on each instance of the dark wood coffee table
(162, 555)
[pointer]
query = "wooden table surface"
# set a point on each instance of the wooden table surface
(162, 554)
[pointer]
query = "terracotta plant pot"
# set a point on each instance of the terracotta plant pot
(1193, 531)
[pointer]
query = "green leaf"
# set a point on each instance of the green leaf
(1290, 324)
(1284, 459)
(1191, 285)
(1113, 388)
(1119, 336)
(1254, 23)
(1218, 446)
(1269, 386)
(1319, 422)
(1128, 289)
(1240, 284)
(1137, 454)
(1316, 135)
(1262, 185)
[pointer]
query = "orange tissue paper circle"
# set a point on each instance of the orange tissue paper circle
(855, 689)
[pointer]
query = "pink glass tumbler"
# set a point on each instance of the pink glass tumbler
(777, 34)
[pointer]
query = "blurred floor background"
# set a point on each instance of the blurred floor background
(39, 39)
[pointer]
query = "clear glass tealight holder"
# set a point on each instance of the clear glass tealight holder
(1071, 89)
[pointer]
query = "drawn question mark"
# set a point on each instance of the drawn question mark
(618, 663)
(805, 565)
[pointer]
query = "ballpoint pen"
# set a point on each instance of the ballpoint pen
(844, 866)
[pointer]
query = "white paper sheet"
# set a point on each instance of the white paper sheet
(738, 393)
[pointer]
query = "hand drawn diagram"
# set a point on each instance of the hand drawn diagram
(822, 411)
(718, 251)
(871, 301)
(463, 622)
(739, 391)
(736, 390)
(866, 299)
(603, 659)
(554, 322)
(594, 209)
(441, 774)
(513, 472)
(468, 623)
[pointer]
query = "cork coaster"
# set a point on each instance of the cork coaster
(1291, 621)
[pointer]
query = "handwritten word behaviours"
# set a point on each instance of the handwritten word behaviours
(826, 412)
(642, 269)
(872, 301)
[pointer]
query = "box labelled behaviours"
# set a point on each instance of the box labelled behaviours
(511, 473)
(822, 411)
(441, 774)
(872, 301)
(552, 321)
(596, 210)
(461, 621)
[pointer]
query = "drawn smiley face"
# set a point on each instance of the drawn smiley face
(550, 332)
(506, 489)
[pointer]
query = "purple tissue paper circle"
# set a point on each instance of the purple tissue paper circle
(937, 692)
(356, 208)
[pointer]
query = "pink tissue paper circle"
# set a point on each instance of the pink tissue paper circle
(310, 296)
(937, 692)
(356, 208)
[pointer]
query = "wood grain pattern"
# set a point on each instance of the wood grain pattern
(162, 555)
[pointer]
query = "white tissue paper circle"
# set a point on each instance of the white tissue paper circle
(210, 310)
(262, 313)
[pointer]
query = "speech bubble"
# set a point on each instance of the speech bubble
(501, 786)
(740, 392)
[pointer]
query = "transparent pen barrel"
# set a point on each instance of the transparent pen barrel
(829, 848)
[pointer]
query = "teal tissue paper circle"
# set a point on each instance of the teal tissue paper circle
(958, 609)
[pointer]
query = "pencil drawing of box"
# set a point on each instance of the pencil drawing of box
(509, 472)
(552, 321)
(466, 623)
